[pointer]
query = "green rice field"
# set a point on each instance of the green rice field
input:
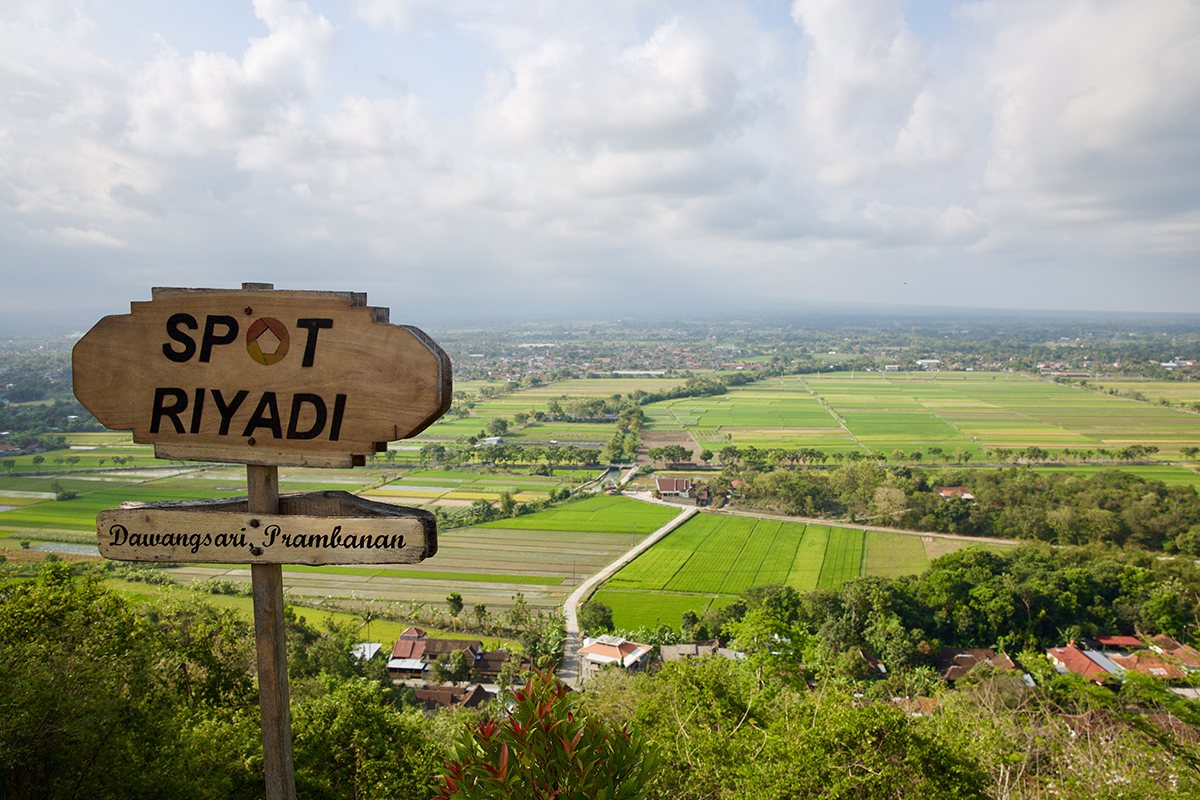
(712, 558)
(974, 412)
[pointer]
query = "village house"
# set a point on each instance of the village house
(1188, 658)
(962, 492)
(1091, 664)
(686, 650)
(414, 651)
(601, 651)
(490, 663)
(433, 698)
(1145, 663)
(953, 663)
(673, 487)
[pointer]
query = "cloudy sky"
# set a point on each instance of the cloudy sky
(457, 158)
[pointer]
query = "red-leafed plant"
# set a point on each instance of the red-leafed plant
(548, 747)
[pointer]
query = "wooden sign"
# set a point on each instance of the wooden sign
(257, 376)
(312, 528)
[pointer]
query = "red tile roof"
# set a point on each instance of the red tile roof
(1074, 660)
(1119, 641)
(1150, 665)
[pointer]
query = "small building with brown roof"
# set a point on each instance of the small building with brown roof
(953, 663)
(414, 651)
(433, 698)
(604, 650)
(490, 663)
(673, 487)
(1185, 656)
(679, 652)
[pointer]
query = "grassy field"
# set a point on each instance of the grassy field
(540, 555)
(712, 558)
(598, 513)
(974, 412)
(707, 561)
(543, 555)
(1167, 473)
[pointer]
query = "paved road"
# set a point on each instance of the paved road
(569, 671)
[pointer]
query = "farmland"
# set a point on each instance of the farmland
(540, 555)
(712, 558)
(881, 412)
(450, 488)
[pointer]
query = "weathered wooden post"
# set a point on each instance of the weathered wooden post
(264, 378)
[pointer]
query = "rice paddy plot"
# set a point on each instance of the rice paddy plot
(599, 513)
(633, 610)
(1168, 474)
(891, 556)
(79, 513)
(805, 573)
(843, 557)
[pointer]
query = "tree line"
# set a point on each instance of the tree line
(1111, 506)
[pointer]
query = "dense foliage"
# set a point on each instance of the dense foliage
(722, 733)
(1030, 598)
(1111, 506)
(106, 699)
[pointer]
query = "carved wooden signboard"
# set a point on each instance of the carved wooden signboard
(283, 378)
(312, 528)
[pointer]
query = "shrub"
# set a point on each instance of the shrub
(548, 747)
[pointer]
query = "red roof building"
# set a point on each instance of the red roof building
(1187, 657)
(1146, 664)
(1072, 659)
(604, 650)
(414, 650)
(1119, 642)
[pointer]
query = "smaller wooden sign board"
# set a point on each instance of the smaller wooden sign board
(312, 528)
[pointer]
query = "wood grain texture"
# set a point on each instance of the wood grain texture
(270, 637)
(335, 385)
(312, 528)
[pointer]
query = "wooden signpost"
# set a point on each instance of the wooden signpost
(264, 378)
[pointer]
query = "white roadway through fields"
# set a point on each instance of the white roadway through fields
(570, 670)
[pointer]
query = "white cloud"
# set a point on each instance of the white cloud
(610, 145)
(192, 104)
(671, 91)
(866, 105)
(1097, 110)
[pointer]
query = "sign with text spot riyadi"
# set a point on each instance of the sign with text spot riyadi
(257, 376)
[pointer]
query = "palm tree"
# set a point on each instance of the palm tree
(368, 614)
